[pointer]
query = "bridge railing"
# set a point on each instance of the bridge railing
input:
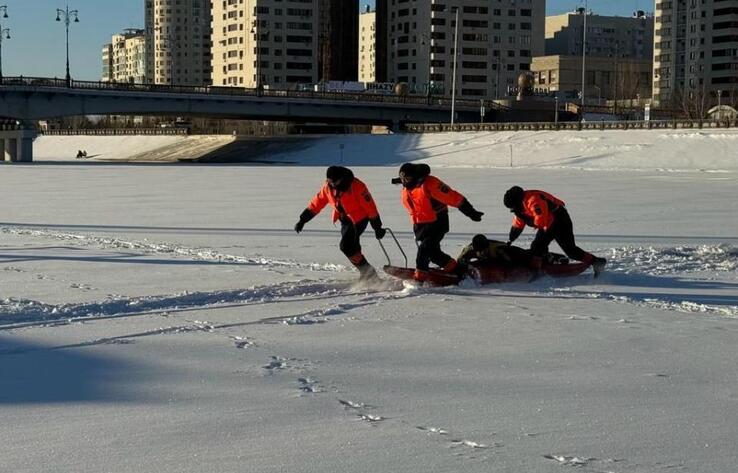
(592, 125)
(174, 131)
(364, 97)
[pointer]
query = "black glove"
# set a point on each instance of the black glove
(376, 224)
(467, 209)
(514, 234)
(305, 217)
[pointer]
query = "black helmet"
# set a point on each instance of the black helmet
(513, 197)
(480, 243)
(339, 177)
(412, 174)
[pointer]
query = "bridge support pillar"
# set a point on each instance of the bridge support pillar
(17, 145)
(11, 149)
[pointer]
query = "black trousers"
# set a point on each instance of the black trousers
(562, 231)
(429, 236)
(350, 235)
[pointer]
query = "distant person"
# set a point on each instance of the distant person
(548, 214)
(426, 199)
(354, 207)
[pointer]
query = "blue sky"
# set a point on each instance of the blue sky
(36, 47)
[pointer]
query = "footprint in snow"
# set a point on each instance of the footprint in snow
(309, 385)
(354, 404)
(242, 342)
(433, 430)
(371, 418)
(569, 460)
(84, 287)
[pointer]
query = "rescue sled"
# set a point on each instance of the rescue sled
(483, 273)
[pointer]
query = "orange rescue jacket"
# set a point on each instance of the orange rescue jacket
(537, 211)
(356, 203)
(425, 201)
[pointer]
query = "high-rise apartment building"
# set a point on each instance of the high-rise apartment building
(124, 58)
(496, 42)
(279, 43)
(368, 46)
(695, 50)
(339, 39)
(607, 36)
(178, 41)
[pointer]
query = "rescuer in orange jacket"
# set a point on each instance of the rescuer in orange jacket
(548, 214)
(354, 207)
(426, 199)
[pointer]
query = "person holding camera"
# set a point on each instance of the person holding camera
(427, 199)
(354, 207)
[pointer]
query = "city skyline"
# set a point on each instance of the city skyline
(37, 44)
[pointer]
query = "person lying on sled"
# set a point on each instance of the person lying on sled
(485, 250)
(427, 199)
(548, 214)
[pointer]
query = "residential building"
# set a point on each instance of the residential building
(107, 63)
(124, 58)
(606, 78)
(496, 42)
(338, 40)
(280, 44)
(607, 36)
(367, 46)
(695, 50)
(178, 41)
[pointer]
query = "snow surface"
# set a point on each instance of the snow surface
(166, 317)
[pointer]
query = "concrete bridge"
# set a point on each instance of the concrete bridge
(30, 99)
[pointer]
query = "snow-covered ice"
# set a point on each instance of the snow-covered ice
(167, 318)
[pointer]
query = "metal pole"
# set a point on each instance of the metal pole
(1, 53)
(720, 109)
(66, 23)
(556, 114)
(4, 9)
(584, 57)
(456, 55)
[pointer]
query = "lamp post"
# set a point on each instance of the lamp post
(456, 55)
(3, 32)
(584, 56)
(720, 106)
(68, 15)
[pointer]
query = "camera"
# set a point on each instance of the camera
(396, 180)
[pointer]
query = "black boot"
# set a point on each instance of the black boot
(367, 273)
(598, 266)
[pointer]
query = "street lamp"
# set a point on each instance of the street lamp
(3, 32)
(456, 55)
(68, 15)
(584, 55)
(720, 106)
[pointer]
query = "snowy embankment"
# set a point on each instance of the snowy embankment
(168, 318)
(667, 150)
